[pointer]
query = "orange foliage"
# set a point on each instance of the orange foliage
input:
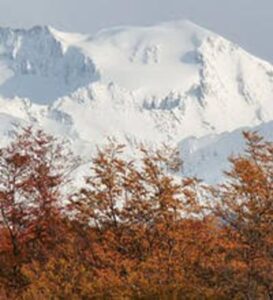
(244, 204)
(135, 231)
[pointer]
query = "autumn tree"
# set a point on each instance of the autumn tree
(244, 206)
(33, 168)
(136, 229)
(140, 212)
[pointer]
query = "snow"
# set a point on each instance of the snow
(34, 64)
(206, 157)
(173, 82)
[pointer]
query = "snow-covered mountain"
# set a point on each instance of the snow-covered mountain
(174, 82)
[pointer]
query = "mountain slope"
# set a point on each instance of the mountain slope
(206, 157)
(164, 83)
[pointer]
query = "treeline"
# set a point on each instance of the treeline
(134, 231)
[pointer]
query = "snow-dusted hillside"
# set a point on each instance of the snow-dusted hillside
(173, 82)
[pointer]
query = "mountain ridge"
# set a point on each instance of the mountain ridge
(162, 83)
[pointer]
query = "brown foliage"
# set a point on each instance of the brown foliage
(32, 170)
(135, 231)
(245, 207)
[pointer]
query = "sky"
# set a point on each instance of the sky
(249, 23)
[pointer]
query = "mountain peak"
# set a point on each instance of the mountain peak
(182, 24)
(35, 30)
(40, 29)
(160, 83)
(39, 64)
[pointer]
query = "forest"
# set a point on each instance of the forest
(134, 230)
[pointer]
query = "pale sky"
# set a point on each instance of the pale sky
(246, 22)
